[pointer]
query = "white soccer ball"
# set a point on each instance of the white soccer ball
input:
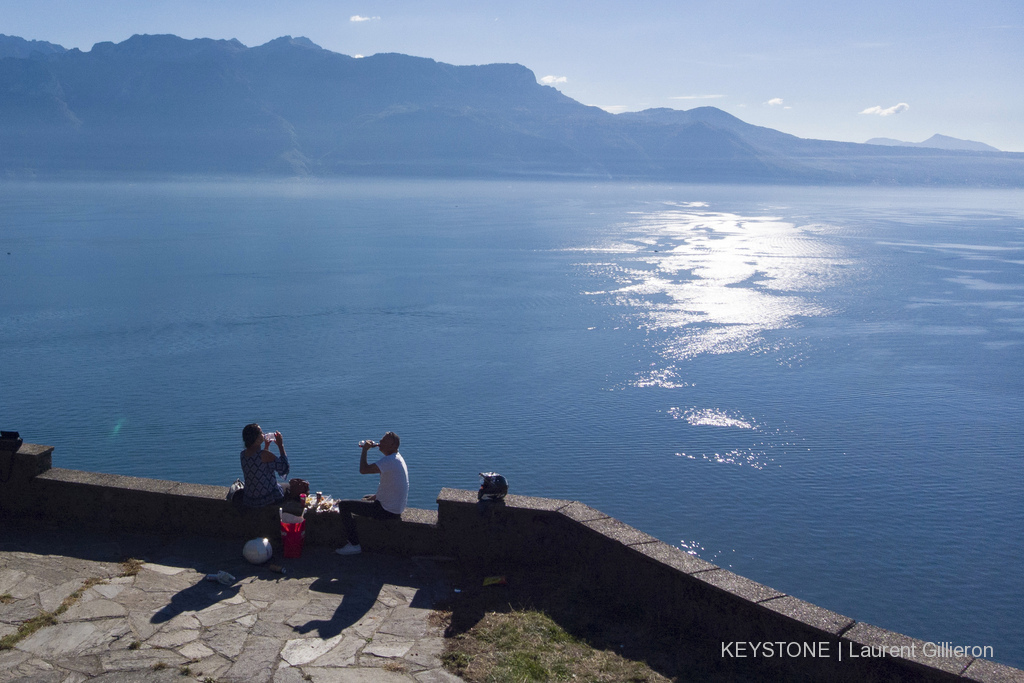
(257, 551)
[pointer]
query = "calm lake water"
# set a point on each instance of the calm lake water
(820, 389)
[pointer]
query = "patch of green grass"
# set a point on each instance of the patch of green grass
(134, 645)
(520, 666)
(159, 666)
(455, 660)
(27, 628)
(44, 618)
(6, 598)
(185, 671)
(526, 646)
(73, 598)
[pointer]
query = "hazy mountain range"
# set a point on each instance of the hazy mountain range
(157, 105)
(938, 142)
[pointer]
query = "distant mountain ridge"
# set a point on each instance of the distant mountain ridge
(937, 142)
(19, 48)
(159, 105)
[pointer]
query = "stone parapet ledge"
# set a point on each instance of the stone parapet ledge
(415, 533)
(108, 502)
(622, 567)
(630, 568)
(17, 470)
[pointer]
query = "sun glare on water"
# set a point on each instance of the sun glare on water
(707, 283)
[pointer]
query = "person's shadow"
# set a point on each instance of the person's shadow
(194, 598)
(359, 593)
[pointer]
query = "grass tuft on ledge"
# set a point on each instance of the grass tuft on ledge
(527, 645)
(131, 566)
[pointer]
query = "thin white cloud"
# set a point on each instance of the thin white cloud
(356, 17)
(697, 97)
(357, 56)
(551, 80)
(895, 109)
(774, 102)
(614, 108)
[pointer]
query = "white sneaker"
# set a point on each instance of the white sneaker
(349, 549)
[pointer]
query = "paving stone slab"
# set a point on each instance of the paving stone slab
(343, 654)
(305, 650)
(9, 578)
(108, 590)
(171, 617)
(51, 598)
(227, 639)
(195, 650)
(86, 664)
(389, 597)
(282, 632)
(257, 661)
(94, 610)
(169, 675)
(271, 591)
(288, 674)
(247, 621)
(18, 611)
(165, 569)
(281, 610)
(11, 659)
(151, 581)
(182, 621)
(426, 653)
(357, 676)
(218, 614)
(39, 671)
(64, 640)
(368, 661)
(436, 676)
(29, 587)
(368, 625)
(388, 648)
(140, 660)
(406, 621)
(137, 600)
(173, 639)
(142, 625)
(213, 666)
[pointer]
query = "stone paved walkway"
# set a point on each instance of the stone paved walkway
(361, 619)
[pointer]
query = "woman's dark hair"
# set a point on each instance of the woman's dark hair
(250, 433)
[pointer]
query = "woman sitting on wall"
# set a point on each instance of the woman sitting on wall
(260, 467)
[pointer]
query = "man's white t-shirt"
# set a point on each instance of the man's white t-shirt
(393, 491)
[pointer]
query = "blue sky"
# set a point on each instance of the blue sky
(832, 70)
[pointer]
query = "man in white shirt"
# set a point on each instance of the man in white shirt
(392, 493)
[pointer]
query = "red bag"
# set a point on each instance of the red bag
(293, 531)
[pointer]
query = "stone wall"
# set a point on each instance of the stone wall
(626, 567)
